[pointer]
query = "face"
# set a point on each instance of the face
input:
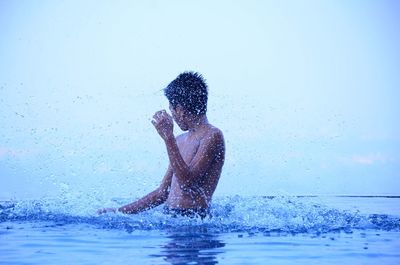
(178, 116)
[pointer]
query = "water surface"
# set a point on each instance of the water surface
(242, 230)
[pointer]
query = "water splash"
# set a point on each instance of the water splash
(228, 214)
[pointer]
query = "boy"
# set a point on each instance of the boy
(196, 157)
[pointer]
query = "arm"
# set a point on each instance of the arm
(149, 201)
(210, 148)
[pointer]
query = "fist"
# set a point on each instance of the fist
(164, 124)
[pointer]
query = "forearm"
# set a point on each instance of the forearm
(149, 201)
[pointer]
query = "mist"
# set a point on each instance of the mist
(306, 94)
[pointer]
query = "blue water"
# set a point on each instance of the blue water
(242, 230)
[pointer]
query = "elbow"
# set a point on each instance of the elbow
(188, 183)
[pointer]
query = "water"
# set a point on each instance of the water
(242, 230)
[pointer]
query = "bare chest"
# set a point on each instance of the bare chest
(188, 149)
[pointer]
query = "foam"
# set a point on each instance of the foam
(228, 214)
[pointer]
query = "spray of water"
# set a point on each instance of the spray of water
(282, 214)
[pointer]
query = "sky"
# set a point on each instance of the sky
(306, 93)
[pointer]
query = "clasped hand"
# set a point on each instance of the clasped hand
(164, 124)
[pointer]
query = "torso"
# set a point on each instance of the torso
(198, 196)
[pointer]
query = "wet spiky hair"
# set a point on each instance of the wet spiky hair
(189, 90)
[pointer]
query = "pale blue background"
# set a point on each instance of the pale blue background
(306, 92)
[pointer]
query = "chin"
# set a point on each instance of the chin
(183, 128)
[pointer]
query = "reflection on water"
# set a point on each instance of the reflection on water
(191, 247)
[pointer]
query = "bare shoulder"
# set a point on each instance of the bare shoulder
(215, 132)
(215, 137)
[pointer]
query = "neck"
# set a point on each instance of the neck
(196, 122)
